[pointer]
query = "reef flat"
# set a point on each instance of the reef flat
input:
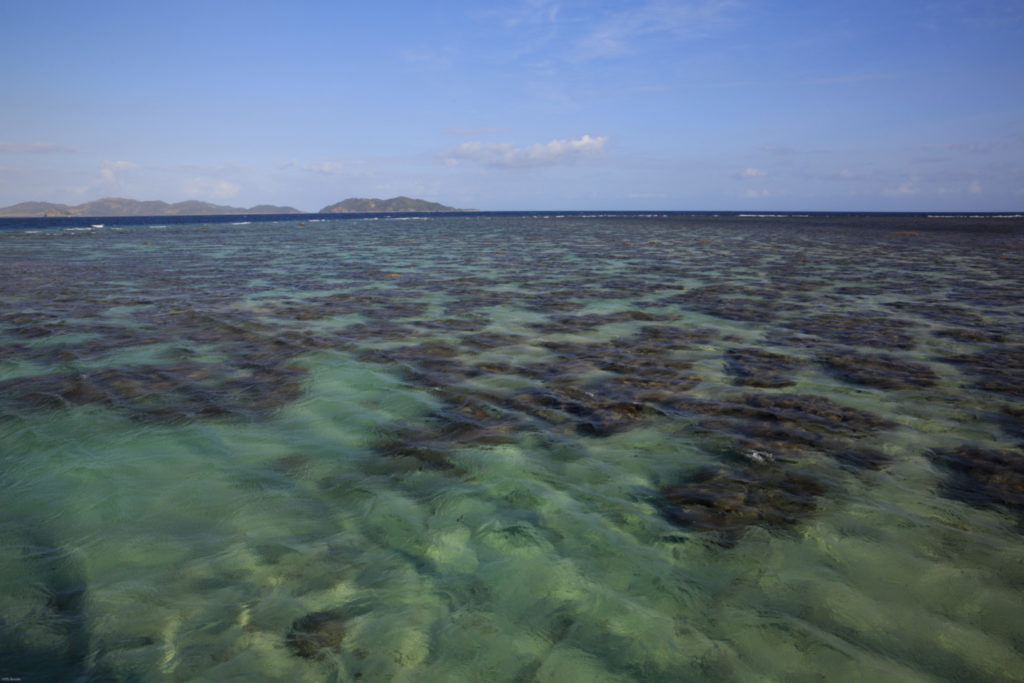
(513, 447)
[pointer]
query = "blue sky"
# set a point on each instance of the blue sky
(912, 105)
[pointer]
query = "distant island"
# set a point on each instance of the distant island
(117, 206)
(111, 207)
(393, 205)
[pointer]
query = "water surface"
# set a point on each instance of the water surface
(513, 447)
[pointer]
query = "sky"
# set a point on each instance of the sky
(844, 105)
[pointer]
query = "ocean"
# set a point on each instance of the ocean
(512, 447)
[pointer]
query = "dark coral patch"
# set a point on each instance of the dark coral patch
(942, 313)
(378, 331)
(471, 324)
(432, 364)
(999, 369)
(1013, 420)
(585, 323)
(644, 388)
(735, 302)
(969, 335)
(807, 411)
(492, 340)
(419, 448)
(316, 633)
(817, 412)
(983, 477)
(758, 368)
(463, 421)
(878, 370)
(727, 501)
(671, 338)
(789, 426)
(857, 329)
(591, 414)
(859, 457)
(553, 301)
(182, 391)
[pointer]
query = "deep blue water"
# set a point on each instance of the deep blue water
(934, 221)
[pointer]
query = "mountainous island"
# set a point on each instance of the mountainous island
(393, 205)
(117, 206)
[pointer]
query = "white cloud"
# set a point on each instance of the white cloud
(752, 173)
(35, 148)
(507, 154)
(975, 187)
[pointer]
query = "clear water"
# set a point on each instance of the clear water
(531, 448)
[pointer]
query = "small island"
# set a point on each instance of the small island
(393, 205)
(112, 207)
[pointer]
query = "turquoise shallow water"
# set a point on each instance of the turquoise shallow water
(531, 448)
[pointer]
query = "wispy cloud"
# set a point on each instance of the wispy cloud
(210, 188)
(436, 60)
(109, 178)
(849, 78)
(326, 167)
(463, 132)
(506, 154)
(840, 79)
(620, 32)
(111, 172)
(35, 148)
(906, 188)
(530, 12)
(846, 175)
(752, 173)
